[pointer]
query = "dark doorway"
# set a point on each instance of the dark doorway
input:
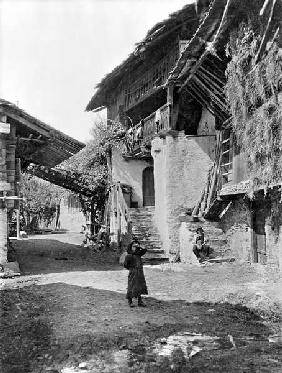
(148, 187)
(259, 235)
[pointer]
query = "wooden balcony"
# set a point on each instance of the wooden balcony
(152, 80)
(139, 137)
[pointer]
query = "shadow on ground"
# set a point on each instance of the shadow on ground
(38, 256)
(59, 325)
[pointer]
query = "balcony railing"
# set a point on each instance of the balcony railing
(151, 81)
(147, 128)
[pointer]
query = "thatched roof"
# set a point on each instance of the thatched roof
(53, 147)
(160, 33)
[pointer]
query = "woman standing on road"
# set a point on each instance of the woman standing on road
(136, 279)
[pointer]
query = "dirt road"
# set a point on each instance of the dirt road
(68, 314)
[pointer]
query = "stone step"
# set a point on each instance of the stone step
(154, 257)
(143, 229)
(216, 242)
(145, 232)
(141, 221)
(140, 217)
(145, 235)
(147, 208)
(152, 245)
(143, 238)
(154, 249)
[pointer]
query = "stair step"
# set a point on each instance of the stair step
(154, 255)
(143, 229)
(216, 241)
(155, 251)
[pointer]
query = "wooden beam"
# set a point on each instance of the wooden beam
(25, 122)
(30, 139)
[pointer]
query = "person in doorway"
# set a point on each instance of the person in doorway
(136, 280)
(200, 247)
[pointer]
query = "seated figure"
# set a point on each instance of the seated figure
(200, 247)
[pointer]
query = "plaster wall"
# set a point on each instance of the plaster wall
(129, 172)
(71, 218)
(239, 168)
(206, 123)
(181, 166)
(186, 235)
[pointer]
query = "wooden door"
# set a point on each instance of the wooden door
(148, 187)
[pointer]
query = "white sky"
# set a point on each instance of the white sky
(54, 52)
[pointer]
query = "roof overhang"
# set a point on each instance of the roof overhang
(155, 38)
(49, 146)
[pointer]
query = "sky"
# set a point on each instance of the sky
(54, 52)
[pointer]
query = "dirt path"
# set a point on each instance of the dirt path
(69, 309)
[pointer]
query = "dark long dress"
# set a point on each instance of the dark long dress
(136, 279)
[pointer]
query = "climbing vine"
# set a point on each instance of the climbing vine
(252, 91)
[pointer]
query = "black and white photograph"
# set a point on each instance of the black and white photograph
(140, 186)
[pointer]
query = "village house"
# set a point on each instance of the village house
(180, 165)
(24, 140)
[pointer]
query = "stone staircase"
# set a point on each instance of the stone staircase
(144, 230)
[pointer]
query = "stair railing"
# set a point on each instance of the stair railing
(120, 215)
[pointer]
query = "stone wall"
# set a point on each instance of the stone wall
(181, 166)
(238, 228)
(206, 124)
(237, 225)
(129, 172)
(273, 230)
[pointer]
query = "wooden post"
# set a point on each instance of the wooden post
(254, 253)
(118, 214)
(4, 186)
(18, 220)
(112, 213)
(92, 217)
(170, 104)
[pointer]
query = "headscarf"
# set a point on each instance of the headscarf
(129, 249)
